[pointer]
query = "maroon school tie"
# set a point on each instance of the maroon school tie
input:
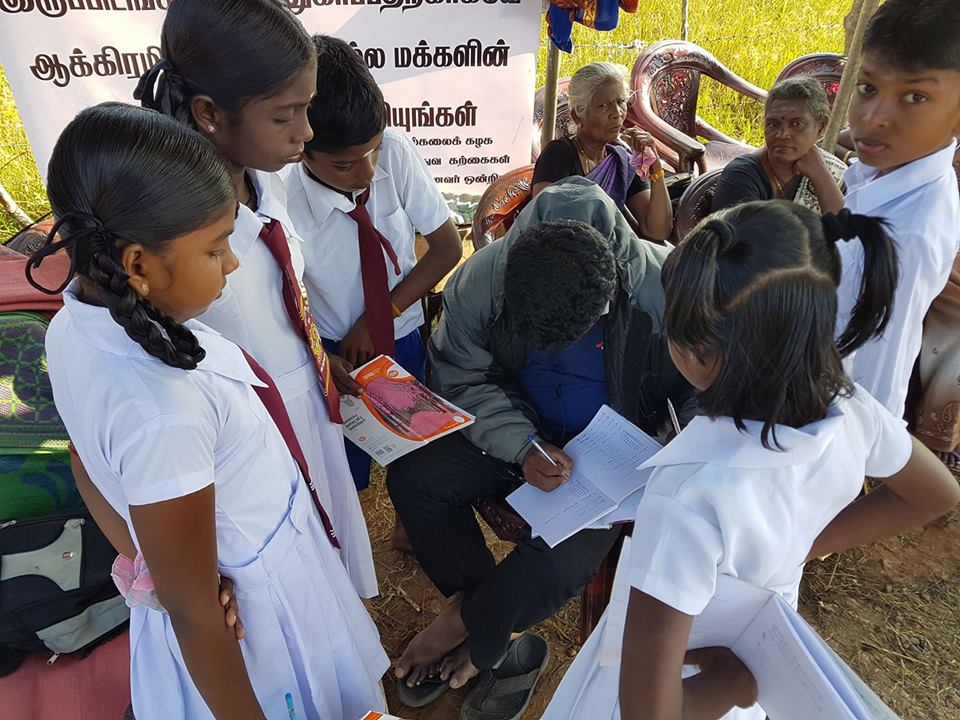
(378, 307)
(270, 397)
(299, 312)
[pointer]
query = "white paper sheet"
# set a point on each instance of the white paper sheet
(606, 455)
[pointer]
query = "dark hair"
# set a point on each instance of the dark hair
(122, 175)
(559, 276)
(755, 287)
(803, 89)
(348, 108)
(916, 35)
(231, 50)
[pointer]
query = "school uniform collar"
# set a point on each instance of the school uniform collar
(246, 229)
(719, 442)
(101, 331)
(867, 190)
(323, 200)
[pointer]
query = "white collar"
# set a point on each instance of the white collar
(99, 329)
(719, 442)
(867, 190)
(323, 200)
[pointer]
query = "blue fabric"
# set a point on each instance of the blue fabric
(603, 15)
(567, 387)
(411, 354)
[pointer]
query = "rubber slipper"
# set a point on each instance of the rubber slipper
(423, 694)
(503, 692)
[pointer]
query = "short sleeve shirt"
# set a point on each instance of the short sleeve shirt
(718, 502)
(404, 200)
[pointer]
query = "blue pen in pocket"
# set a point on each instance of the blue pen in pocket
(291, 710)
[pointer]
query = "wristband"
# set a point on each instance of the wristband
(657, 175)
(397, 312)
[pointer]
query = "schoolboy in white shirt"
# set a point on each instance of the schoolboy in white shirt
(903, 119)
(357, 199)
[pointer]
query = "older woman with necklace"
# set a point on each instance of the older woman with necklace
(789, 166)
(604, 152)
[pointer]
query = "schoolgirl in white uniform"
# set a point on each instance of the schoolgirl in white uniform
(243, 73)
(767, 477)
(187, 439)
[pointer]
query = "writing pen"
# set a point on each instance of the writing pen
(533, 441)
(291, 710)
(673, 416)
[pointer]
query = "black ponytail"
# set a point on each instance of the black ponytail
(754, 287)
(122, 175)
(874, 304)
(693, 318)
(231, 50)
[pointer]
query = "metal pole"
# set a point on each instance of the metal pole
(848, 80)
(550, 95)
(685, 21)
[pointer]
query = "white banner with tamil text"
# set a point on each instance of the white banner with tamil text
(457, 75)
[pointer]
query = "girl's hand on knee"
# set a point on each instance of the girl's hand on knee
(231, 609)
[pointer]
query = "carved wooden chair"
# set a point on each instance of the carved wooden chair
(500, 204)
(695, 204)
(826, 68)
(666, 84)
(563, 116)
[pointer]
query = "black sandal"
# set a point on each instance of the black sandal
(503, 692)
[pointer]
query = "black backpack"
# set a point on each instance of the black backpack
(56, 592)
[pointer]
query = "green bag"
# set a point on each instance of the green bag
(35, 477)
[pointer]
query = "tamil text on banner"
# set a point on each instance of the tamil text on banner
(457, 75)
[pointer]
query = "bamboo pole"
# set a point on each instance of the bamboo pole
(685, 18)
(550, 96)
(10, 205)
(848, 80)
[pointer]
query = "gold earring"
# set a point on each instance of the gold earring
(144, 289)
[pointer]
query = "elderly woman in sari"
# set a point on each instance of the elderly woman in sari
(789, 166)
(604, 152)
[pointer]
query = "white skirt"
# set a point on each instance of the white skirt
(322, 444)
(307, 634)
(590, 689)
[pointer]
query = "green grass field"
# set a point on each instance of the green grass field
(754, 38)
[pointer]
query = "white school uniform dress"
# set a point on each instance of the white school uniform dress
(404, 199)
(146, 433)
(251, 313)
(921, 204)
(718, 502)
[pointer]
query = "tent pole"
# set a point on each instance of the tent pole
(550, 95)
(685, 19)
(848, 80)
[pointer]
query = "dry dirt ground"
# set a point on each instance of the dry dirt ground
(892, 611)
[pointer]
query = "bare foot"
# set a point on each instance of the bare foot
(457, 667)
(430, 646)
(400, 540)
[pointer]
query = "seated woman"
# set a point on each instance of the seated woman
(789, 166)
(604, 152)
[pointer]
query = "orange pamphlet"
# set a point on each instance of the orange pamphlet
(396, 413)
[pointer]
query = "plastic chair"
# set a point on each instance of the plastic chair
(500, 204)
(826, 68)
(695, 204)
(666, 84)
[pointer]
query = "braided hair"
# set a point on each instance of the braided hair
(122, 175)
(755, 287)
